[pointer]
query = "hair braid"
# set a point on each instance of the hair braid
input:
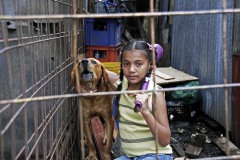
(119, 88)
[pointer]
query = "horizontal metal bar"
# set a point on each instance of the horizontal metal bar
(43, 98)
(220, 157)
(119, 15)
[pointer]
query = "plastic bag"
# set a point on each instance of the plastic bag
(186, 96)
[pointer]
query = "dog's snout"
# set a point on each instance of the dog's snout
(85, 63)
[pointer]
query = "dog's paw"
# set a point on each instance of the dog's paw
(107, 156)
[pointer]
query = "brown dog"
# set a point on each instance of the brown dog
(92, 77)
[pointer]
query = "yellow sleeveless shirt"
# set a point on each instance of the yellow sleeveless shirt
(136, 137)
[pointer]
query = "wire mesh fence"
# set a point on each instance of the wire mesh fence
(39, 41)
(35, 61)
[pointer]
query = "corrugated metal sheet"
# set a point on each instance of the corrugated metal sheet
(197, 48)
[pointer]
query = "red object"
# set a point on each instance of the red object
(104, 53)
(98, 135)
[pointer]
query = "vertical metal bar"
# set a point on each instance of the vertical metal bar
(51, 102)
(224, 33)
(23, 79)
(5, 44)
(46, 89)
(23, 72)
(39, 25)
(152, 36)
(58, 119)
(44, 103)
(33, 73)
(51, 67)
(74, 51)
(34, 77)
(44, 124)
(25, 108)
(35, 106)
(1, 145)
(55, 84)
(13, 126)
(63, 56)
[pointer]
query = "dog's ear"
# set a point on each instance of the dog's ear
(80, 57)
(104, 74)
(75, 78)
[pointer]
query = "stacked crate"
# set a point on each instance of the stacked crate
(103, 41)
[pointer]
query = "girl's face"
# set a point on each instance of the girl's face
(135, 65)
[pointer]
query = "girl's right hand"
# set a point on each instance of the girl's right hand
(143, 99)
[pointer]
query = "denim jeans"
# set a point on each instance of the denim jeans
(148, 157)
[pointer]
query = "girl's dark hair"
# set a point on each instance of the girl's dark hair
(133, 45)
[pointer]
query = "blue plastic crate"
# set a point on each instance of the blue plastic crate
(102, 32)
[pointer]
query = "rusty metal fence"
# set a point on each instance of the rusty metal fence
(35, 60)
(39, 41)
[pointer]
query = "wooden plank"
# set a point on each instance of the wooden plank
(200, 140)
(212, 123)
(193, 151)
(222, 142)
(163, 75)
(178, 76)
(178, 149)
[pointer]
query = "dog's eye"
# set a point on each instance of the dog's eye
(93, 62)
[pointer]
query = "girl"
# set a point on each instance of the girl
(143, 133)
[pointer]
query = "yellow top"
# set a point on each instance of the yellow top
(136, 137)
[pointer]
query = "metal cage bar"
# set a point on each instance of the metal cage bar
(36, 54)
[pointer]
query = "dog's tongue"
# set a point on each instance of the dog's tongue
(87, 76)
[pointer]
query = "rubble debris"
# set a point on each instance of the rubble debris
(202, 130)
(180, 130)
(208, 140)
(194, 137)
(173, 140)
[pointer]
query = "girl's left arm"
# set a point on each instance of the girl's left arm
(158, 120)
(112, 77)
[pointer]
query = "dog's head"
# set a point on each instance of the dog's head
(90, 74)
